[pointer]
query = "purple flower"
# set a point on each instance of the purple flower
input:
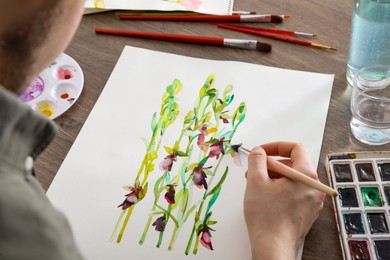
(199, 176)
(217, 148)
(159, 224)
(132, 197)
(205, 238)
(170, 195)
(166, 164)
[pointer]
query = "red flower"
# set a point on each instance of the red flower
(205, 238)
(166, 164)
(159, 224)
(199, 176)
(170, 195)
(132, 197)
(217, 148)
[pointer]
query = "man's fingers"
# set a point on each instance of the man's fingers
(257, 164)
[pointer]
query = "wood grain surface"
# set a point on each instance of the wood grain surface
(330, 20)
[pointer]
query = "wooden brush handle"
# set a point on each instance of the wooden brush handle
(295, 175)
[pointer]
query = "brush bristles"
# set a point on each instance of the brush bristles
(263, 47)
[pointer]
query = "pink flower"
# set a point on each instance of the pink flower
(170, 195)
(217, 148)
(199, 176)
(159, 224)
(132, 197)
(190, 5)
(205, 238)
(166, 164)
(203, 132)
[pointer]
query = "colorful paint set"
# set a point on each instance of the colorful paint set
(56, 88)
(363, 206)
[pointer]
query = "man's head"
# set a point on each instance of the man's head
(33, 34)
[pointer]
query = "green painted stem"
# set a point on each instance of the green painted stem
(196, 245)
(190, 241)
(173, 238)
(129, 211)
(117, 226)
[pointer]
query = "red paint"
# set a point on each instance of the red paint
(62, 73)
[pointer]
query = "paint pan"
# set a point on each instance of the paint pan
(56, 88)
(363, 206)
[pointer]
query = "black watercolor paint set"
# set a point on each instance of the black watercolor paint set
(362, 208)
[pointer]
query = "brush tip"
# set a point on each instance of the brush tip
(276, 19)
(235, 147)
(263, 47)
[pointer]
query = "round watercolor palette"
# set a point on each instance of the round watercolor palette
(56, 88)
(363, 205)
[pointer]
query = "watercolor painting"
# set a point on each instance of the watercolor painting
(151, 174)
(202, 6)
(205, 136)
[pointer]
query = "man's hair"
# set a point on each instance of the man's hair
(20, 42)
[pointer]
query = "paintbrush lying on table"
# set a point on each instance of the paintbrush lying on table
(290, 173)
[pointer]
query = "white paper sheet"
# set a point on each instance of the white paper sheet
(201, 6)
(281, 105)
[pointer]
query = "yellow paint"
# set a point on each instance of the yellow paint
(46, 109)
(99, 3)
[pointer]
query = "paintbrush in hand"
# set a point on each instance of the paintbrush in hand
(290, 173)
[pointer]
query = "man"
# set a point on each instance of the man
(278, 212)
(32, 34)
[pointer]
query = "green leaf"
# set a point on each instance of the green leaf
(208, 172)
(168, 150)
(189, 117)
(177, 86)
(143, 192)
(191, 167)
(219, 184)
(189, 212)
(239, 114)
(204, 160)
(157, 186)
(178, 198)
(213, 198)
(211, 222)
(168, 214)
(181, 154)
(154, 120)
(176, 147)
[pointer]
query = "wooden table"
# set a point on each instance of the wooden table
(330, 20)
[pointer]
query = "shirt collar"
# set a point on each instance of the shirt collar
(23, 132)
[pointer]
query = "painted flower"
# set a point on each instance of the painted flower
(170, 195)
(205, 238)
(201, 138)
(190, 5)
(199, 176)
(217, 148)
(166, 164)
(225, 117)
(132, 197)
(159, 224)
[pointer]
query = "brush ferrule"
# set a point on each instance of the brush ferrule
(239, 43)
(304, 34)
(243, 150)
(255, 18)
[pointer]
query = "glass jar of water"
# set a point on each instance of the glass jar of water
(370, 35)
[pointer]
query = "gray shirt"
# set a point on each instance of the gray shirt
(30, 227)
